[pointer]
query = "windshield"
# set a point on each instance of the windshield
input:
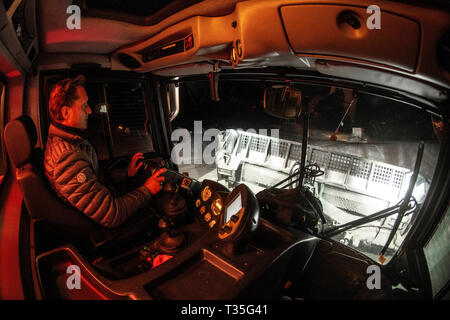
(365, 147)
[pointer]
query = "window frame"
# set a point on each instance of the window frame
(147, 123)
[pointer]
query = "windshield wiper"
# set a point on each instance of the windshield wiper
(411, 204)
(406, 206)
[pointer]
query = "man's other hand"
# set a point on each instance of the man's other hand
(134, 166)
(155, 182)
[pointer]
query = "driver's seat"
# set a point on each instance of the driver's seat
(42, 202)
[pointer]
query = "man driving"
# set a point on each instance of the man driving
(71, 164)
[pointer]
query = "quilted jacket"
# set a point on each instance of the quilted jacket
(72, 169)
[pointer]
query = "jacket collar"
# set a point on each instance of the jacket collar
(65, 132)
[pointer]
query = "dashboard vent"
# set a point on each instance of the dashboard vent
(128, 61)
(168, 49)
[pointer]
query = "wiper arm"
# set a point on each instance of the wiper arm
(404, 206)
(375, 216)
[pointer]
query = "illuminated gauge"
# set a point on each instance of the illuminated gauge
(216, 206)
(207, 217)
(202, 209)
(198, 203)
(206, 194)
(212, 223)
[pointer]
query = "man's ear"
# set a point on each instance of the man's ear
(65, 112)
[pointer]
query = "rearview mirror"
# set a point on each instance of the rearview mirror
(282, 101)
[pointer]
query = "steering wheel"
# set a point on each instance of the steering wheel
(170, 176)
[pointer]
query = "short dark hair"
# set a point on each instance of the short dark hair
(64, 93)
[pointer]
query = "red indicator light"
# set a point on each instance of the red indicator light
(189, 42)
(161, 259)
(13, 74)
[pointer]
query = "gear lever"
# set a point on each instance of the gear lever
(173, 206)
(171, 239)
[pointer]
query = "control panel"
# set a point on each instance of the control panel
(232, 217)
(239, 219)
(209, 204)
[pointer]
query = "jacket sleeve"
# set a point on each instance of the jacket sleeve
(75, 181)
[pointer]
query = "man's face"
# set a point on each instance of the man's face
(77, 115)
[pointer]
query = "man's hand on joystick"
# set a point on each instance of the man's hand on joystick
(155, 183)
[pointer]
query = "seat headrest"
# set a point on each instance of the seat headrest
(20, 139)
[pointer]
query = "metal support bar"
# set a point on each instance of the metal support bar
(304, 148)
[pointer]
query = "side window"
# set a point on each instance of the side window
(120, 121)
(3, 158)
(129, 120)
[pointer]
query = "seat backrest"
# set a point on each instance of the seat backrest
(41, 201)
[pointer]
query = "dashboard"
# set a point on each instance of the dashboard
(210, 202)
(222, 250)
